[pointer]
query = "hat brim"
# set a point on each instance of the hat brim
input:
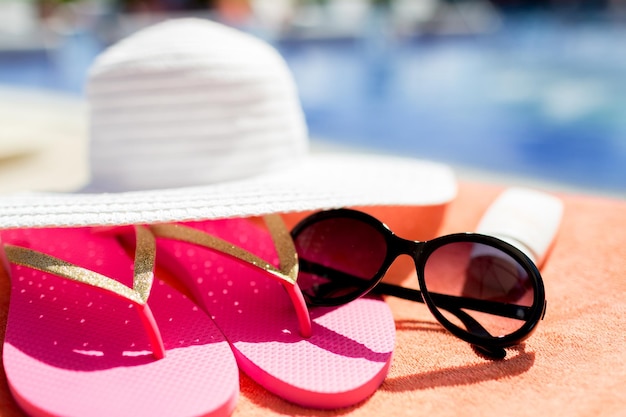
(320, 181)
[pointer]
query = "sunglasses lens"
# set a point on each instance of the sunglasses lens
(339, 258)
(493, 292)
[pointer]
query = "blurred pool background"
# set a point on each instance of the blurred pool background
(532, 90)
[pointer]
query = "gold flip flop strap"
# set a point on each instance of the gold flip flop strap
(143, 271)
(288, 269)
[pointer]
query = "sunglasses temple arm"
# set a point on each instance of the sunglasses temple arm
(450, 303)
(399, 292)
(416, 295)
(470, 323)
(476, 328)
(453, 303)
(446, 302)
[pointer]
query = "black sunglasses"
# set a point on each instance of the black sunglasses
(482, 289)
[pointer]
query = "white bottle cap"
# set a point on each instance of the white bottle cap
(525, 218)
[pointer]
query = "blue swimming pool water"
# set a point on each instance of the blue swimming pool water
(543, 102)
(540, 100)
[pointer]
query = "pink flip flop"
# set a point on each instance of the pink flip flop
(238, 271)
(89, 334)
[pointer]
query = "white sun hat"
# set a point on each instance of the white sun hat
(193, 120)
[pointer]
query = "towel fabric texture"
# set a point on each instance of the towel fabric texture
(574, 365)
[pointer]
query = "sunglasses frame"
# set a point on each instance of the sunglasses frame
(419, 251)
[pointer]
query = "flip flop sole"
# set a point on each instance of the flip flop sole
(74, 350)
(342, 363)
